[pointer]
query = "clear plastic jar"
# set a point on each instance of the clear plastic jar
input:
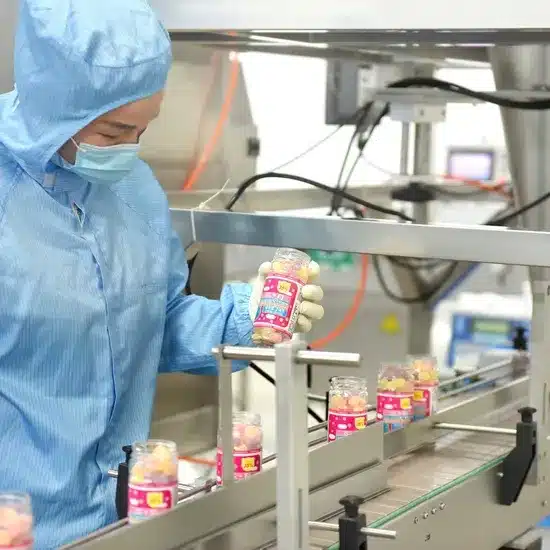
(394, 396)
(426, 383)
(279, 305)
(153, 479)
(247, 446)
(15, 521)
(347, 406)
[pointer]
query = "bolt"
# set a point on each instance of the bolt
(500, 474)
(442, 506)
(544, 502)
(433, 511)
(425, 515)
(415, 520)
(428, 537)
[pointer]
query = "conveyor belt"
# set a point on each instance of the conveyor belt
(416, 476)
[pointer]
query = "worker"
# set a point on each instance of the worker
(91, 273)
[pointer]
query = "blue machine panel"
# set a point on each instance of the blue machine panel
(473, 333)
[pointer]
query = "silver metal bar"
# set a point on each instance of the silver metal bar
(303, 357)
(464, 243)
(474, 429)
(484, 370)
(394, 17)
(226, 417)
(317, 398)
(486, 382)
(267, 200)
(292, 448)
(539, 389)
(375, 533)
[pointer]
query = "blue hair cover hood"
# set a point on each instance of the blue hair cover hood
(76, 60)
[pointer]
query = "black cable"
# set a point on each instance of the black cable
(488, 97)
(365, 204)
(362, 143)
(516, 213)
(271, 380)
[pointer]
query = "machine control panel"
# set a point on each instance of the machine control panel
(477, 334)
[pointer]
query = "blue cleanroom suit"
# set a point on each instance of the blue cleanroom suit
(91, 276)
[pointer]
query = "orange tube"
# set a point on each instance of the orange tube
(210, 146)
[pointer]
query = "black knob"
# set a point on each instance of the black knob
(127, 450)
(527, 413)
(351, 505)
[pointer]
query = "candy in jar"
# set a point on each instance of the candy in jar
(347, 406)
(247, 446)
(394, 396)
(15, 521)
(279, 305)
(426, 383)
(153, 479)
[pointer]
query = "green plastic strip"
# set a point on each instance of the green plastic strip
(378, 524)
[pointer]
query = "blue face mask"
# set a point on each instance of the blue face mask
(103, 165)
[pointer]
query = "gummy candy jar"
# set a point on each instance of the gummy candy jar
(426, 383)
(394, 397)
(153, 479)
(279, 305)
(247, 446)
(347, 407)
(15, 521)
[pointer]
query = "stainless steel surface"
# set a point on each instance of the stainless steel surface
(498, 365)
(244, 512)
(343, 465)
(267, 200)
(474, 429)
(292, 447)
(467, 243)
(225, 393)
(333, 528)
(395, 14)
(303, 357)
(462, 481)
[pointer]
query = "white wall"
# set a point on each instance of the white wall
(288, 101)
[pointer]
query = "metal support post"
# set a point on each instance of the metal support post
(405, 143)
(292, 448)
(420, 315)
(225, 392)
(539, 388)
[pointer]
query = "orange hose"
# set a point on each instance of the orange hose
(210, 146)
(498, 187)
(214, 68)
(352, 311)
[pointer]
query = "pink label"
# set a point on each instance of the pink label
(146, 501)
(245, 464)
(394, 409)
(424, 401)
(343, 424)
(279, 303)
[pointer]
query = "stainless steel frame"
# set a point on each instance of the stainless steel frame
(242, 515)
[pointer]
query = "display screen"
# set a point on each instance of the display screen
(491, 326)
(471, 165)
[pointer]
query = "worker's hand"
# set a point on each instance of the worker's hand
(310, 309)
